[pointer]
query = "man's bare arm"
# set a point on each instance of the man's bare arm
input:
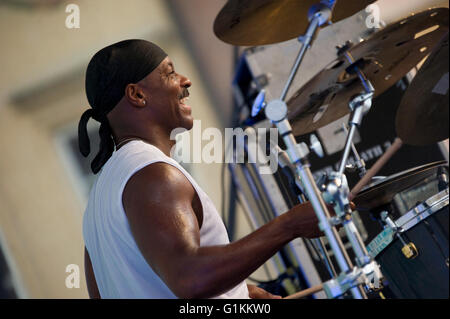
(158, 202)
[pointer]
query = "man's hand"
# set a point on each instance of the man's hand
(305, 223)
(255, 292)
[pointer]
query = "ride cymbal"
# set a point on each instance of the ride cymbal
(422, 117)
(260, 22)
(384, 57)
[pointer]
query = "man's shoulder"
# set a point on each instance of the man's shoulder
(160, 177)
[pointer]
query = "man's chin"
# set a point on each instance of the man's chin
(189, 122)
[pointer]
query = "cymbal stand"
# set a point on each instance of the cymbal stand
(317, 243)
(359, 106)
(360, 165)
(336, 190)
(319, 15)
(276, 111)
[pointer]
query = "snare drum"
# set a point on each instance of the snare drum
(425, 272)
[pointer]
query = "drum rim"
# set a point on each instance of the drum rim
(414, 216)
(423, 210)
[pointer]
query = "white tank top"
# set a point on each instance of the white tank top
(119, 267)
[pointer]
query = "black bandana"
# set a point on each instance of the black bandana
(108, 73)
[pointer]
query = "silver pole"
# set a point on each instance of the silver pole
(318, 204)
(306, 41)
(347, 149)
(326, 258)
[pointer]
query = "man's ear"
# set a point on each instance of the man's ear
(135, 95)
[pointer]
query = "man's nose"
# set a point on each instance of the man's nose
(185, 82)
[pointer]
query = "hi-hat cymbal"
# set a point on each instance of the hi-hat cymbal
(384, 57)
(260, 22)
(422, 117)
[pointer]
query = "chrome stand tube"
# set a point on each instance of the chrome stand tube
(297, 154)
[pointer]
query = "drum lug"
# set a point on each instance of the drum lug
(410, 251)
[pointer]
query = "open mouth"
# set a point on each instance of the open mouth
(184, 97)
(184, 100)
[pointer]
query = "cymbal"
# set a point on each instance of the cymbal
(382, 192)
(260, 22)
(422, 117)
(384, 57)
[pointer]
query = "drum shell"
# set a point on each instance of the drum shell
(427, 275)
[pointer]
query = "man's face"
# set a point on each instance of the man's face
(167, 94)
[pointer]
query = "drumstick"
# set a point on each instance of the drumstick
(305, 293)
(376, 167)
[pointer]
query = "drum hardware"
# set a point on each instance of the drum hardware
(336, 287)
(409, 250)
(337, 192)
(336, 188)
(442, 179)
(259, 103)
(276, 112)
(376, 167)
(297, 154)
(359, 165)
(325, 256)
(317, 243)
(316, 146)
(371, 58)
(333, 288)
(357, 276)
(318, 18)
(359, 106)
(424, 210)
(268, 203)
(423, 275)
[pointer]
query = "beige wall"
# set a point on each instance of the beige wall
(39, 217)
(42, 91)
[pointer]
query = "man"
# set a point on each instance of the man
(150, 231)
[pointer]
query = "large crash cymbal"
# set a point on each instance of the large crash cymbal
(384, 57)
(260, 22)
(422, 117)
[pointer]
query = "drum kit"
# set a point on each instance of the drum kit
(347, 67)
